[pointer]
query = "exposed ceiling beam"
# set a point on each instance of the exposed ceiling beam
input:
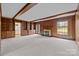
(28, 8)
(21, 10)
(25, 8)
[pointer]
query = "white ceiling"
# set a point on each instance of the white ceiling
(47, 9)
(40, 10)
(10, 9)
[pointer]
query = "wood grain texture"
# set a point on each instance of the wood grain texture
(77, 25)
(7, 28)
(52, 25)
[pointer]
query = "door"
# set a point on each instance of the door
(17, 29)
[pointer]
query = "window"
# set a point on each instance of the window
(62, 27)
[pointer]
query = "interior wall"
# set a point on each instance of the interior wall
(0, 20)
(31, 28)
(51, 24)
(77, 25)
(24, 28)
(0, 29)
(7, 28)
(71, 27)
(46, 25)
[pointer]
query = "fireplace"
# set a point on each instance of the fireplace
(47, 32)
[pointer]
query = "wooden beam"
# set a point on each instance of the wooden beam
(25, 9)
(28, 8)
(20, 10)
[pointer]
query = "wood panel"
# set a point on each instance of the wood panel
(26, 28)
(72, 27)
(7, 28)
(77, 25)
(52, 25)
(23, 28)
(46, 25)
(0, 20)
(0, 28)
(24, 32)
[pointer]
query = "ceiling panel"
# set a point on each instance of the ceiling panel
(10, 9)
(42, 10)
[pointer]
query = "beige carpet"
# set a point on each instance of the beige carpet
(37, 45)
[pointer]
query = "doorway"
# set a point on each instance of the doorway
(38, 28)
(17, 29)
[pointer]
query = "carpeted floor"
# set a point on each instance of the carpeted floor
(37, 45)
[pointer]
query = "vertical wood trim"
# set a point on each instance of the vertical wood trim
(0, 28)
(77, 25)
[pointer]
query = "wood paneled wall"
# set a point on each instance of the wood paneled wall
(0, 29)
(0, 20)
(52, 25)
(24, 28)
(71, 27)
(7, 28)
(31, 28)
(46, 25)
(77, 25)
